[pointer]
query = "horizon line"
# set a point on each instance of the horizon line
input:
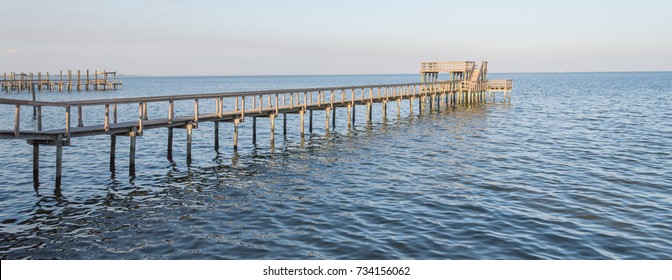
(378, 74)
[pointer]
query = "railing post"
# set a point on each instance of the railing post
(107, 117)
(170, 111)
(39, 118)
(301, 123)
(242, 114)
(67, 123)
(17, 120)
(196, 111)
(140, 119)
(221, 107)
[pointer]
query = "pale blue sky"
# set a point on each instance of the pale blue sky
(332, 37)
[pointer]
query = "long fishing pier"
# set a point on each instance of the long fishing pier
(237, 107)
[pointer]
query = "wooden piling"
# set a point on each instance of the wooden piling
(398, 108)
(284, 124)
(349, 117)
(189, 132)
(272, 117)
(326, 128)
(39, 118)
(235, 134)
(310, 122)
(113, 147)
(254, 130)
(36, 164)
(80, 120)
(131, 157)
(59, 160)
(216, 124)
(333, 116)
(169, 153)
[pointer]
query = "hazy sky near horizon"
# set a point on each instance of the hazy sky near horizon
(332, 37)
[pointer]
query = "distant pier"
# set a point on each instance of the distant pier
(467, 84)
(70, 81)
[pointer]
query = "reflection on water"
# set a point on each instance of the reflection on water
(558, 172)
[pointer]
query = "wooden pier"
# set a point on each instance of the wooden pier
(238, 107)
(98, 80)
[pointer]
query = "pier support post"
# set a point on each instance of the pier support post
(131, 157)
(398, 108)
(113, 147)
(333, 117)
(36, 164)
(284, 125)
(254, 130)
(190, 128)
(326, 124)
(384, 110)
(369, 112)
(349, 112)
(59, 160)
(301, 124)
(32, 91)
(80, 120)
(410, 105)
(216, 135)
(353, 113)
(310, 121)
(235, 134)
(272, 117)
(169, 154)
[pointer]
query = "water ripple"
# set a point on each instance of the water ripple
(561, 172)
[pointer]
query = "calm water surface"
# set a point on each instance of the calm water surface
(576, 166)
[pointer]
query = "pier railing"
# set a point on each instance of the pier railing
(500, 85)
(448, 66)
(227, 106)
